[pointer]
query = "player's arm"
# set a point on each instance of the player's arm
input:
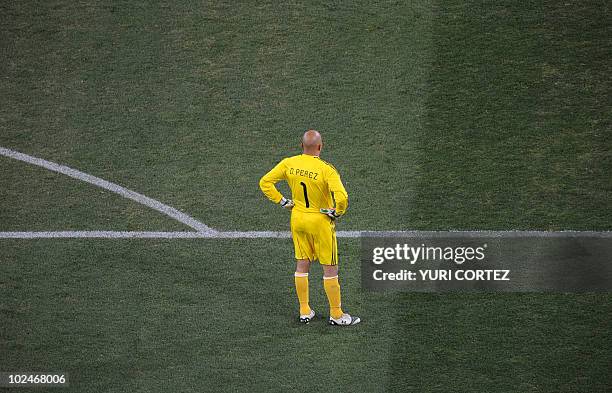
(267, 185)
(339, 194)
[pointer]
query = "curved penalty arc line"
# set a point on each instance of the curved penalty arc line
(117, 189)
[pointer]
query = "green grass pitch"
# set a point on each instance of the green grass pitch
(467, 115)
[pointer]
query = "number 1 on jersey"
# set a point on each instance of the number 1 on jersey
(305, 194)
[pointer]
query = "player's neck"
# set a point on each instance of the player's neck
(311, 154)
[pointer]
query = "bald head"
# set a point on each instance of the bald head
(312, 143)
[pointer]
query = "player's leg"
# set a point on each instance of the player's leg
(328, 257)
(332, 290)
(301, 288)
(304, 253)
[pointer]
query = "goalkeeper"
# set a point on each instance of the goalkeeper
(318, 198)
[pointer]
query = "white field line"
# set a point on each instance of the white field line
(282, 234)
(205, 232)
(117, 189)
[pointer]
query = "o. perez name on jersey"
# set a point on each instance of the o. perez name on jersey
(442, 275)
(304, 173)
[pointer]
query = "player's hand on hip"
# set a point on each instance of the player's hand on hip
(330, 212)
(286, 203)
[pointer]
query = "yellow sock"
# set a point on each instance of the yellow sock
(332, 289)
(301, 287)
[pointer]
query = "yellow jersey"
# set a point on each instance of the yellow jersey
(314, 184)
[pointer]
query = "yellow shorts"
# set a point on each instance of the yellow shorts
(314, 237)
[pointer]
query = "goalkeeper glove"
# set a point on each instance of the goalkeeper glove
(286, 203)
(331, 213)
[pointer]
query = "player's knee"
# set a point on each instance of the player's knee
(302, 266)
(330, 270)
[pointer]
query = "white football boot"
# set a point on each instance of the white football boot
(344, 320)
(305, 319)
